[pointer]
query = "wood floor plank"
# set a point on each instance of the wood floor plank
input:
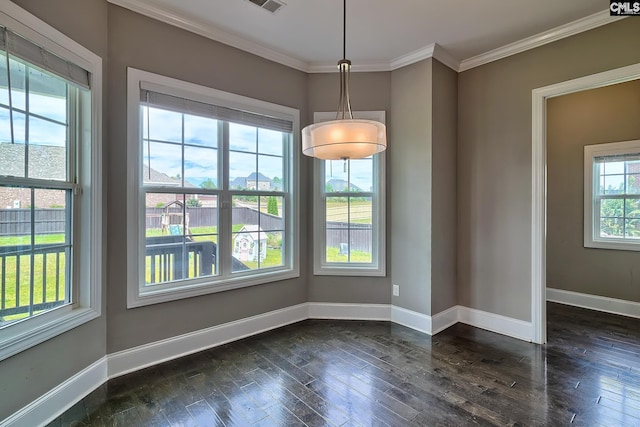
(358, 373)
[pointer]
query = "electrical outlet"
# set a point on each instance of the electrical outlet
(396, 290)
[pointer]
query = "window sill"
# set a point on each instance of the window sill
(612, 245)
(25, 334)
(146, 296)
(350, 271)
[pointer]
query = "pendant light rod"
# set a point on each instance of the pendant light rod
(344, 29)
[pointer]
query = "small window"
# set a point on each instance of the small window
(612, 195)
(349, 225)
(50, 225)
(214, 200)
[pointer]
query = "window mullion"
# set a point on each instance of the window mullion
(225, 213)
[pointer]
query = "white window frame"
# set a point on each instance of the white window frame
(137, 293)
(86, 303)
(378, 265)
(592, 237)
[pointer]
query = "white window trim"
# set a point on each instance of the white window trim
(591, 216)
(87, 277)
(137, 295)
(378, 266)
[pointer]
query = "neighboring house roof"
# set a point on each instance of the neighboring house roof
(153, 176)
(261, 177)
(239, 182)
(341, 185)
(51, 160)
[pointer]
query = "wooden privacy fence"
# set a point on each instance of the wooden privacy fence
(17, 222)
(358, 237)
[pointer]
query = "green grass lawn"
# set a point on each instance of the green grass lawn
(333, 255)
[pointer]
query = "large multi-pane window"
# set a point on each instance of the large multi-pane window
(48, 266)
(612, 195)
(216, 205)
(349, 212)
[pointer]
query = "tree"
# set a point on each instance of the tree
(208, 184)
(193, 203)
(272, 206)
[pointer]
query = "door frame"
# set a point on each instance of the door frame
(539, 181)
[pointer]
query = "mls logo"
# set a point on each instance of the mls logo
(624, 8)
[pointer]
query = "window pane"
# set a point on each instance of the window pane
(47, 95)
(336, 177)
(270, 142)
(337, 229)
(12, 156)
(269, 168)
(275, 253)
(33, 253)
(614, 184)
(272, 208)
(242, 171)
(168, 253)
(632, 228)
(361, 174)
(200, 131)
(611, 168)
(360, 235)
(632, 208)
(18, 96)
(165, 161)
(200, 167)
(250, 240)
(162, 125)
(633, 184)
(246, 249)
(611, 227)
(47, 150)
(242, 138)
(4, 84)
(612, 208)
(202, 213)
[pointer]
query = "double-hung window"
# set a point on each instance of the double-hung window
(612, 196)
(349, 211)
(213, 203)
(50, 225)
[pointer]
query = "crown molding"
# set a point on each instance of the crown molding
(211, 32)
(433, 50)
(572, 28)
(442, 55)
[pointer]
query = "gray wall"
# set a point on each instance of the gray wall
(368, 91)
(141, 42)
(494, 160)
(443, 183)
(410, 192)
(33, 372)
(596, 116)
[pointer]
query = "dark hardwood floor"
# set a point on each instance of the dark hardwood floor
(352, 373)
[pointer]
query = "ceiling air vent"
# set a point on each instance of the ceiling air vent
(271, 5)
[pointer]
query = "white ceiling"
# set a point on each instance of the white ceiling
(307, 34)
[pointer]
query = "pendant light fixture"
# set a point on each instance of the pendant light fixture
(345, 137)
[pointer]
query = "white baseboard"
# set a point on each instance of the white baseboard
(496, 323)
(594, 302)
(58, 400)
(411, 319)
(445, 319)
(53, 403)
(143, 356)
(322, 310)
